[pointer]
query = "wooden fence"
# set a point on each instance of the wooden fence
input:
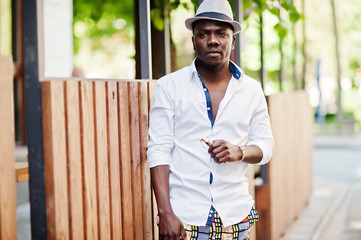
(7, 147)
(95, 137)
(97, 177)
(289, 185)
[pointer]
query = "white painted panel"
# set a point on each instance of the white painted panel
(58, 38)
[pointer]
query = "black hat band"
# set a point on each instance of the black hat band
(216, 15)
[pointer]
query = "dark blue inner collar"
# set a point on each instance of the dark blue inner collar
(232, 67)
(234, 70)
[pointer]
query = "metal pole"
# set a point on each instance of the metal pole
(167, 50)
(144, 37)
(338, 63)
(304, 53)
(238, 12)
(34, 121)
(261, 50)
(281, 56)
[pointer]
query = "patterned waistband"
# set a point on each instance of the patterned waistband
(218, 232)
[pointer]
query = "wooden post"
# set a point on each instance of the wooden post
(7, 148)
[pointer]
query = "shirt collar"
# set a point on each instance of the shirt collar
(235, 70)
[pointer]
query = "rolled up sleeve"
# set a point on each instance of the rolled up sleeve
(161, 133)
(260, 131)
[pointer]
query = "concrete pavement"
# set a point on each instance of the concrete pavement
(334, 209)
(23, 221)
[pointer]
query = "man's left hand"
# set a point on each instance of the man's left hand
(223, 151)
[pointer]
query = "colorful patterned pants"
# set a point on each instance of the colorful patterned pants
(217, 231)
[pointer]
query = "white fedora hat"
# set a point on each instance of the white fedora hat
(216, 10)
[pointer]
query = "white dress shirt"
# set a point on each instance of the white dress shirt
(179, 119)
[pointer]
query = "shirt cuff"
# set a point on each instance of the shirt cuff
(156, 158)
(266, 149)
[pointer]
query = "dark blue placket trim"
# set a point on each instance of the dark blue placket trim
(210, 116)
(210, 113)
(209, 103)
(236, 74)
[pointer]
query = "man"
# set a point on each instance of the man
(200, 187)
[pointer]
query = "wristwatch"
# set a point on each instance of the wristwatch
(243, 148)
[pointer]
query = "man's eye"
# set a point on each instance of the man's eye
(222, 34)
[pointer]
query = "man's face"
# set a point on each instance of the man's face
(213, 42)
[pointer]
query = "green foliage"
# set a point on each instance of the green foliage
(95, 19)
(157, 16)
(99, 15)
(163, 8)
(281, 30)
(249, 6)
(274, 7)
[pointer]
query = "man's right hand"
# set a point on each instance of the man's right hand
(170, 227)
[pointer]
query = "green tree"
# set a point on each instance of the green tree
(98, 19)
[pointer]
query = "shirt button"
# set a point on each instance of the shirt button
(208, 108)
(205, 89)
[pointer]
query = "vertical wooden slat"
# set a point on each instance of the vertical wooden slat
(151, 86)
(299, 154)
(151, 93)
(55, 160)
(113, 136)
(89, 165)
(135, 154)
(2, 228)
(126, 181)
(7, 147)
(250, 176)
(147, 190)
(48, 166)
(74, 160)
(101, 140)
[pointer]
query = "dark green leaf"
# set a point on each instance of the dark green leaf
(281, 30)
(185, 6)
(294, 16)
(195, 3)
(174, 4)
(157, 18)
(274, 11)
(246, 4)
(258, 11)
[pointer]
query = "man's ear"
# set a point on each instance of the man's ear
(233, 41)
(194, 45)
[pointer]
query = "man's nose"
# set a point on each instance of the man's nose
(213, 39)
